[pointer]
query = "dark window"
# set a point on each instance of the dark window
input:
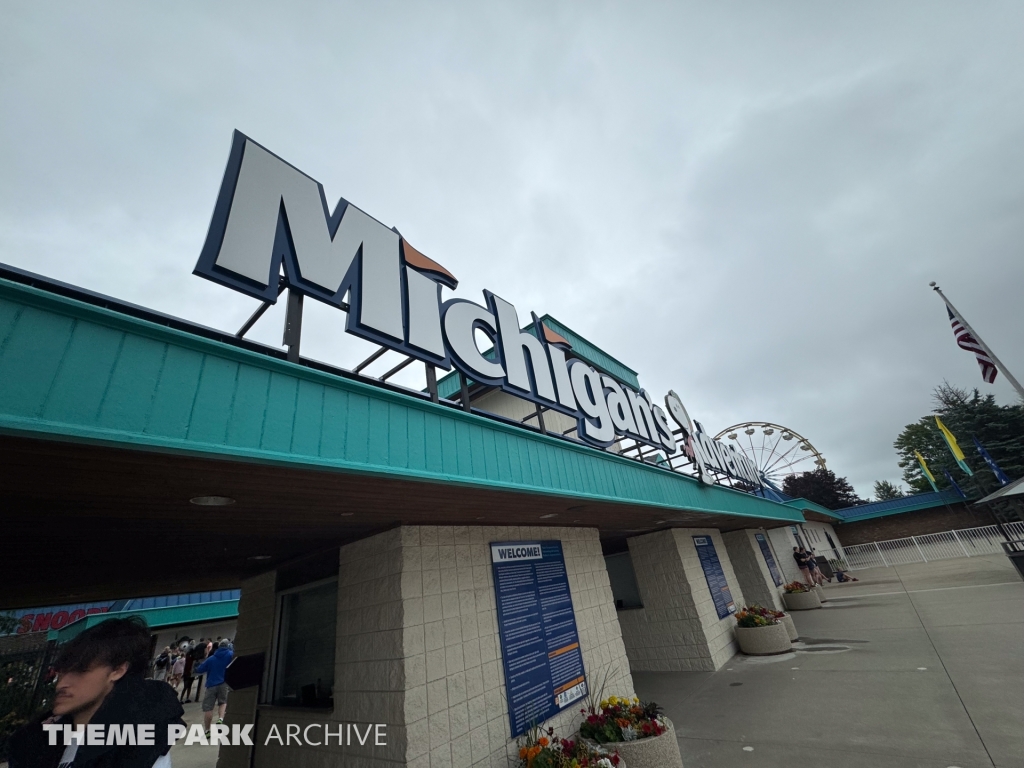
(304, 659)
(625, 591)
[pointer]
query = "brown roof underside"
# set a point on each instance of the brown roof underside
(85, 522)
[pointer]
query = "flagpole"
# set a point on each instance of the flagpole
(982, 344)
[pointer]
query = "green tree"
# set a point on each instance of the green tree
(967, 413)
(886, 491)
(8, 623)
(822, 487)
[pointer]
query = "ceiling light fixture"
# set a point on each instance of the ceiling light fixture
(545, 517)
(260, 557)
(212, 501)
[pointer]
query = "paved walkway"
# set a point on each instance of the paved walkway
(194, 755)
(916, 665)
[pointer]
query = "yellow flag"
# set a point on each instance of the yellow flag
(950, 440)
(953, 447)
(924, 466)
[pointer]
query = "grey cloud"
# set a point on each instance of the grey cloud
(743, 202)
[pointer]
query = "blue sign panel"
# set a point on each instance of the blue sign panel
(715, 576)
(769, 558)
(539, 644)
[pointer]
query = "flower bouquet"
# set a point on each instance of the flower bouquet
(622, 720)
(542, 749)
(639, 732)
(760, 631)
(799, 597)
(758, 616)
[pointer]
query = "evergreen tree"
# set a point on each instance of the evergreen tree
(822, 487)
(8, 623)
(886, 491)
(1000, 428)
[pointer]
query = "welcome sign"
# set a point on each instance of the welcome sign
(540, 646)
(270, 218)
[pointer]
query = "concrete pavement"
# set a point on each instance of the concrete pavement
(919, 665)
(916, 665)
(194, 755)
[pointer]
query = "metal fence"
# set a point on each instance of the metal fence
(26, 685)
(966, 542)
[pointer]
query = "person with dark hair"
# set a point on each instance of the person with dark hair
(803, 563)
(812, 565)
(200, 652)
(101, 680)
(162, 664)
(188, 675)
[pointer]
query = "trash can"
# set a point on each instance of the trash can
(1015, 551)
(825, 566)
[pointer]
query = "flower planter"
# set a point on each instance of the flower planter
(654, 752)
(764, 641)
(801, 601)
(820, 593)
(787, 622)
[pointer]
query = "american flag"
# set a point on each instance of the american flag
(964, 340)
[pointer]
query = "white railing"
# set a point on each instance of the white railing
(966, 542)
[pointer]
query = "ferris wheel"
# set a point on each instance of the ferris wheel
(776, 451)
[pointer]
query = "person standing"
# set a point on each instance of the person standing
(812, 565)
(188, 675)
(101, 681)
(200, 656)
(162, 665)
(216, 688)
(800, 556)
(177, 670)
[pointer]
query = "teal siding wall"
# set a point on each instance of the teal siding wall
(593, 354)
(75, 371)
(448, 385)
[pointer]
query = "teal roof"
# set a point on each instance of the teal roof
(812, 506)
(81, 372)
(168, 616)
(448, 385)
(593, 354)
(914, 503)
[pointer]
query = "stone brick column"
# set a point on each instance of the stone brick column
(253, 633)
(456, 711)
(751, 569)
(418, 649)
(678, 628)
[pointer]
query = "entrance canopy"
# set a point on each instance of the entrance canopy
(115, 421)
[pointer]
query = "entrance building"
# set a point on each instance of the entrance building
(356, 518)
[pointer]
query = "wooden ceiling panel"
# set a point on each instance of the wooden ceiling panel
(83, 522)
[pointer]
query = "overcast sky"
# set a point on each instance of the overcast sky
(743, 202)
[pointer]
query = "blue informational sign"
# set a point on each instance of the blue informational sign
(769, 558)
(715, 576)
(540, 647)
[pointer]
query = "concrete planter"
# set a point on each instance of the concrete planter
(820, 593)
(655, 752)
(764, 641)
(801, 601)
(787, 622)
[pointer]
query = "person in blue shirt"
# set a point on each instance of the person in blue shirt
(216, 688)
